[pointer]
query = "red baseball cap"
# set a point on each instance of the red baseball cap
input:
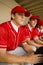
(34, 17)
(40, 22)
(20, 9)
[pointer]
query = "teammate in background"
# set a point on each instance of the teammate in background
(35, 33)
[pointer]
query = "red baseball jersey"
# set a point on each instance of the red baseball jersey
(9, 38)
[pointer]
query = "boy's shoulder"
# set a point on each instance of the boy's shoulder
(4, 26)
(4, 23)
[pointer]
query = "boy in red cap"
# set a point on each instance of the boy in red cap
(35, 33)
(10, 38)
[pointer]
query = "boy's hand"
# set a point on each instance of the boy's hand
(34, 59)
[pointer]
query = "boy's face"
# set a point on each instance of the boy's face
(33, 23)
(19, 18)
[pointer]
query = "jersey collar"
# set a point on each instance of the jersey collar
(14, 26)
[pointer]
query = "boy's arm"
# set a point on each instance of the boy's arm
(27, 48)
(10, 58)
(31, 42)
(37, 40)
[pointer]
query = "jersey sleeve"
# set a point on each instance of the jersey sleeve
(3, 38)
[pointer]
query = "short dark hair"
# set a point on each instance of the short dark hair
(13, 14)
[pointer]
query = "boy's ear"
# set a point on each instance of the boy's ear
(12, 16)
